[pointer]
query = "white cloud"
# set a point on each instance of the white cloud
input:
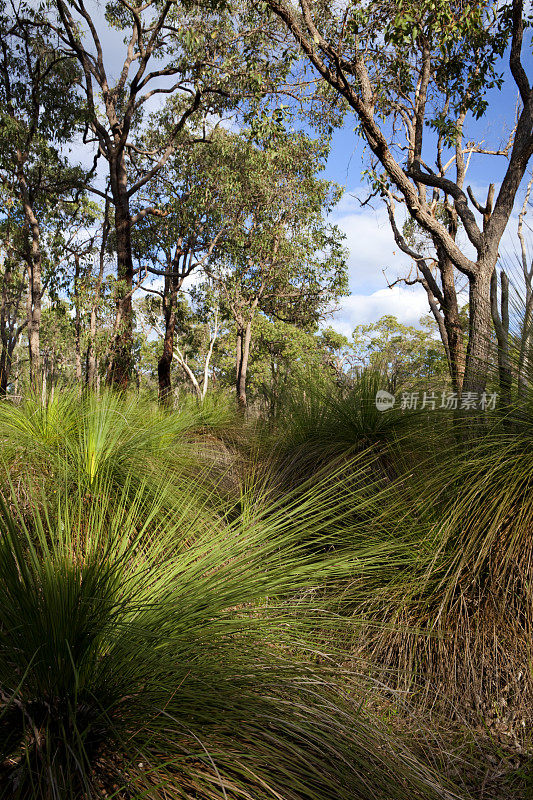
(371, 245)
(406, 304)
(372, 249)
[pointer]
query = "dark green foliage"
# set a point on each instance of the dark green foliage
(321, 422)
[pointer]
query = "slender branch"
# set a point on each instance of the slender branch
(515, 59)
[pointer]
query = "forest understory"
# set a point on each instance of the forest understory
(334, 603)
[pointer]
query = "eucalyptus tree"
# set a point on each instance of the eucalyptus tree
(195, 54)
(283, 258)
(404, 67)
(405, 355)
(58, 346)
(13, 319)
(38, 114)
(289, 359)
(196, 330)
(203, 191)
(89, 289)
(80, 252)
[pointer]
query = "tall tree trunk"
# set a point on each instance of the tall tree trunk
(34, 299)
(212, 340)
(91, 349)
(52, 375)
(480, 329)
(245, 339)
(173, 283)
(44, 385)
(10, 338)
(501, 326)
(238, 355)
(17, 375)
(5, 356)
(452, 323)
(165, 362)
(77, 320)
(447, 316)
(190, 375)
(5, 368)
(91, 352)
(238, 363)
(6, 365)
(34, 268)
(180, 358)
(121, 355)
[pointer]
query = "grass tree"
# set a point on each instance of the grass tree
(145, 654)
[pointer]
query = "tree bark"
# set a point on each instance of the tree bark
(174, 277)
(447, 317)
(17, 375)
(452, 323)
(77, 320)
(121, 365)
(4, 370)
(91, 350)
(6, 362)
(34, 261)
(245, 337)
(91, 354)
(501, 326)
(212, 340)
(191, 376)
(9, 331)
(238, 357)
(165, 362)
(480, 329)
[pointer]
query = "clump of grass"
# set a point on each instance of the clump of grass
(132, 667)
(323, 424)
(453, 606)
(97, 440)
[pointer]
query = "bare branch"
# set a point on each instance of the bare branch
(171, 145)
(515, 59)
(151, 210)
(419, 260)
